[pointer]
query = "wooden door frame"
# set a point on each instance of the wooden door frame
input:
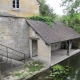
(30, 42)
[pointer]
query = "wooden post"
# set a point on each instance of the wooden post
(68, 50)
(69, 43)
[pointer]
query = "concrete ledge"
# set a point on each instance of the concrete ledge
(61, 55)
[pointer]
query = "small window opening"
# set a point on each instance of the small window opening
(15, 3)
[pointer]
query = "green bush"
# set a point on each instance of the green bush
(47, 20)
(59, 72)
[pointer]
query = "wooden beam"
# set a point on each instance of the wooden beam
(69, 44)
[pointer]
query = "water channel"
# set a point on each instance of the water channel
(73, 62)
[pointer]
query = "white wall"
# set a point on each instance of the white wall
(55, 46)
(44, 50)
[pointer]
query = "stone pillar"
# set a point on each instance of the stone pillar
(68, 49)
(69, 44)
(30, 42)
(79, 44)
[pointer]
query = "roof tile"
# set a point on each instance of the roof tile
(52, 35)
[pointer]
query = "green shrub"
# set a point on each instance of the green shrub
(59, 72)
(35, 66)
(47, 20)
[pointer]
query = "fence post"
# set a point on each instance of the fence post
(7, 53)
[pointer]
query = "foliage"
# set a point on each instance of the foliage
(27, 70)
(72, 18)
(73, 22)
(46, 14)
(35, 66)
(46, 10)
(71, 6)
(59, 72)
(47, 20)
(18, 74)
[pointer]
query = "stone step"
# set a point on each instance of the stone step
(8, 64)
(3, 66)
(1, 59)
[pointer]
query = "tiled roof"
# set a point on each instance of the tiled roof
(52, 35)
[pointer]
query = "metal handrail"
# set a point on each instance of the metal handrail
(8, 57)
(11, 53)
(12, 49)
(7, 53)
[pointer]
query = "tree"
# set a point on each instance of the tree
(46, 10)
(71, 6)
(72, 17)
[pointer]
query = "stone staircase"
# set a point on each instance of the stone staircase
(9, 64)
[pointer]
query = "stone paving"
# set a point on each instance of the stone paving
(61, 54)
(30, 69)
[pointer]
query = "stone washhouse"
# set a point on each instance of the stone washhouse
(52, 45)
(36, 39)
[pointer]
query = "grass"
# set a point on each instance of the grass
(35, 66)
(18, 74)
(32, 67)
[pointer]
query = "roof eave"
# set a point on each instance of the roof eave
(38, 2)
(38, 33)
(64, 40)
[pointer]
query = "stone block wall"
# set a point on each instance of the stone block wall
(14, 33)
(76, 43)
(55, 46)
(44, 50)
(26, 7)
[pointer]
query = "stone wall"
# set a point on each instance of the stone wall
(44, 50)
(27, 7)
(55, 46)
(76, 43)
(14, 33)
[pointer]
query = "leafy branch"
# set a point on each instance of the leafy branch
(47, 20)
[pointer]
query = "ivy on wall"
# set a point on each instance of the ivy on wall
(47, 20)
